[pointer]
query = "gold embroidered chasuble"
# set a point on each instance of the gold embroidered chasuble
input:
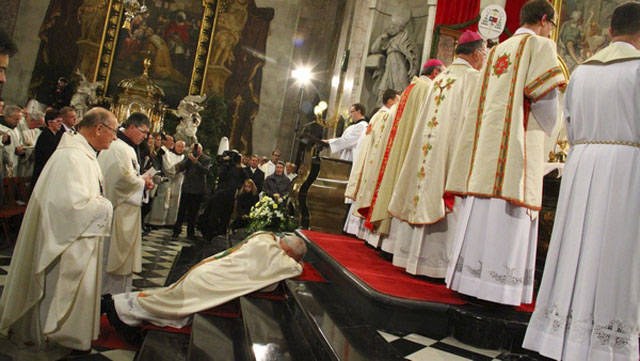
(500, 153)
(247, 267)
(397, 142)
(418, 194)
(368, 148)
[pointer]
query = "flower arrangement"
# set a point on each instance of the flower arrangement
(271, 214)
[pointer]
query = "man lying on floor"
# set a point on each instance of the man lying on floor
(257, 263)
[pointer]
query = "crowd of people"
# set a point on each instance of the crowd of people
(447, 181)
(446, 177)
(95, 185)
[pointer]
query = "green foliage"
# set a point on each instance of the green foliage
(215, 123)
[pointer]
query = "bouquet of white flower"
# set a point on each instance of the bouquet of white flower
(271, 214)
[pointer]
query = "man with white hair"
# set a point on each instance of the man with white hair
(27, 132)
(258, 263)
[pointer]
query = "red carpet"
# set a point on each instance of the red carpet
(365, 263)
(381, 275)
(110, 339)
(310, 273)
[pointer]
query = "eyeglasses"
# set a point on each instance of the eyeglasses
(114, 130)
(145, 132)
(552, 23)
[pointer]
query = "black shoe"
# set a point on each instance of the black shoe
(103, 302)
(129, 333)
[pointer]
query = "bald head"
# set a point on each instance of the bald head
(99, 126)
(179, 147)
(294, 247)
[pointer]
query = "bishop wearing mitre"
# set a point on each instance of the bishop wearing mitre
(52, 293)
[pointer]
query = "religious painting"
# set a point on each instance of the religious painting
(70, 35)
(445, 41)
(173, 34)
(583, 28)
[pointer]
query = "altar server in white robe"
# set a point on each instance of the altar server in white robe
(257, 263)
(368, 150)
(347, 143)
(589, 300)
(168, 191)
(124, 187)
(52, 291)
(498, 163)
(419, 195)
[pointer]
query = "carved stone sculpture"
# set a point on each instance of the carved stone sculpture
(188, 112)
(399, 49)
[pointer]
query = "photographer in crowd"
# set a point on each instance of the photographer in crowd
(196, 167)
(215, 219)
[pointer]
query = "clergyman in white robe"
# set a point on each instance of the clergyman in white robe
(589, 299)
(124, 187)
(164, 210)
(252, 265)
(498, 167)
(52, 292)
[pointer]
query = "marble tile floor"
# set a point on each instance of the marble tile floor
(415, 347)
(159, 252)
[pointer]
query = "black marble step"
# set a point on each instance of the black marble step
(478, 323)
(218, 339)
(332, 328)
(271, 331)
(164, 346)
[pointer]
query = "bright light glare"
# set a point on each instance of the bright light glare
(317, 110)
(302, 75)
(335, 81)
(323, 105)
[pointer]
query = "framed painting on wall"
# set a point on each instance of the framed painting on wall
(175, 35)
(583, 28)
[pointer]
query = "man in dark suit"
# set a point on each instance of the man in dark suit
(196, 167)
(47, 143)
(254, 173)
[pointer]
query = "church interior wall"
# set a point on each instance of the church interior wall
(25, 34)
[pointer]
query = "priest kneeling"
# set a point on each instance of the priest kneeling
(260, 261)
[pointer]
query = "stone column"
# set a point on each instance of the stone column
(30, 16)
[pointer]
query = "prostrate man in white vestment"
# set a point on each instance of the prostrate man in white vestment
(52, 292)
(124, 187)
(257, 263)
(587, 306)
(498, 163)
(423, 240)
(396, 139)
(347, 143)
(366, 164)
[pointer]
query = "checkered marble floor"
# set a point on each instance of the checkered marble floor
(159, 252)
(415, 347)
